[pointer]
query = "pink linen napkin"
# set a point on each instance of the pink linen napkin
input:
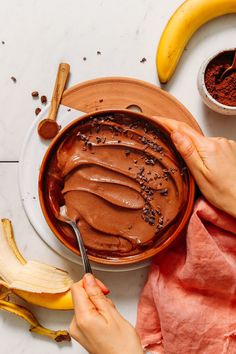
(188, 304)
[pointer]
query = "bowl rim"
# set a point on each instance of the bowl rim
(202, 71)
(110, 261)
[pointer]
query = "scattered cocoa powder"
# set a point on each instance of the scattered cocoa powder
(223, 91)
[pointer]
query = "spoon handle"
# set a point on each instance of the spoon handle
(62, 76)
(84, 256)
(234, 61)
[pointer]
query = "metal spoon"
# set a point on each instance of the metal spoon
(232, 67)
(85, 260)
(48, 127)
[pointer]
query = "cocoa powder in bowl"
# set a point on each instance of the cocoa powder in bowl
(223, 91)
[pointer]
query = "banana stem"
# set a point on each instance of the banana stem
(58, 336)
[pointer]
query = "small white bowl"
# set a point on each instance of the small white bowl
(206, 96)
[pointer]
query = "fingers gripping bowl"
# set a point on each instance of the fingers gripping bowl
(122, 181)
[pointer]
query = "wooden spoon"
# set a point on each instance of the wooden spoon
(48, 127)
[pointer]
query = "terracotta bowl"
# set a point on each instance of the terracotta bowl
(165, 240)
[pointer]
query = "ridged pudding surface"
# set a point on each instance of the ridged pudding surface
(121, 180)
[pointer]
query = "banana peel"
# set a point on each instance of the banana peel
(35, 326)
(49, 301)
(34, 282)
(4, 291)
(7, 225)
(15, 273)
(186, 20)
(28, 316)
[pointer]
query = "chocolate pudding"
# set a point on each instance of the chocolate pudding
(121, 180)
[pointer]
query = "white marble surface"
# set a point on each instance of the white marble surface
(40, 34)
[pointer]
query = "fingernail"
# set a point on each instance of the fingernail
(177, 137)
(106, 292)
(90, 280)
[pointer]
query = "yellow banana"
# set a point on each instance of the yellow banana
(50, 301)
(49, 286)
(191, 15)
(36, 327)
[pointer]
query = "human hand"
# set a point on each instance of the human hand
(212, 162)
(97, 325)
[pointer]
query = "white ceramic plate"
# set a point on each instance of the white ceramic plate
(30, 160)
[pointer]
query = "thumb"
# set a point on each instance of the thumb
(94, 292)
(188, 151)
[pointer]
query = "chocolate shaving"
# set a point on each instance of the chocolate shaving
(149, 161)
(183, 171)
(127, 152)
(163, 191)
(89, 144)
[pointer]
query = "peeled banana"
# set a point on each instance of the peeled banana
(50, 301)
(35, 282)
(191, 15)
